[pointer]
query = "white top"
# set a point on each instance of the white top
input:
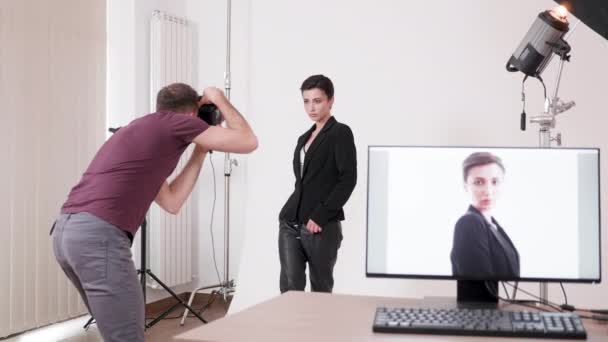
(302, 156)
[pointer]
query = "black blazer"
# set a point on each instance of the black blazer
(329, 177)
(480, 252)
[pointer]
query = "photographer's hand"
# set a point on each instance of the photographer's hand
(236, 136)
(212, 95)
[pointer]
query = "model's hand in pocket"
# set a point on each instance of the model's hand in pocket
(313, 227)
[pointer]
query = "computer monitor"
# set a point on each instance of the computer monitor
(483, 214)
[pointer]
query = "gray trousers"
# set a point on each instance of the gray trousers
(96, 257)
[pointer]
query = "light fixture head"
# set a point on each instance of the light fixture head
(544, 36)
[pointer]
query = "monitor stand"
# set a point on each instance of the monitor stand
(475, 293)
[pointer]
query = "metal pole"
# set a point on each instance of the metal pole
(227, 286)
(557, 81)
(551, 110)
(143, 257)
(545, 142)
(227, 160)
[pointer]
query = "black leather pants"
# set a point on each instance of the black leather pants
(297, 246)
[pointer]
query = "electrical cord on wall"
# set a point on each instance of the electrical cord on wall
(217, 272)
(212, 298)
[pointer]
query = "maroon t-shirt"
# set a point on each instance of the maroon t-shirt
(127, 172)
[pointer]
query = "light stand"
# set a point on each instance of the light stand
(546, 120)
(226, 287)
(143, 272)
(553, 106)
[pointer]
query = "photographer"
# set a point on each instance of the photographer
(93, 234)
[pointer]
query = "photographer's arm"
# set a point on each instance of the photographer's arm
(237, 137)
(172, 196)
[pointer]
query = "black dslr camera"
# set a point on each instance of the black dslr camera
(210, 114)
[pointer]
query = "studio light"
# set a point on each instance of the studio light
(544, 37)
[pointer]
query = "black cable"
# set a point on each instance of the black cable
(212, 298)
(523, 93)
(522, 121)
(204, 307)
(564, 292)
(217, 272)
(594, 317)
(515, 290)
(524, 302)
(601, 314)
(538, 300)
(597, 311)
(506, 292)
(543, 83)
(568, 307)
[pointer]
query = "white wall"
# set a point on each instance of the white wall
(405, 73)
(419, 73)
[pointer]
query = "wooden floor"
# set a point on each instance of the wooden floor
(165, 330)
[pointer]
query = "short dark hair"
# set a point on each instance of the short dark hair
(320, 82)
(177, 97)
(478, 159)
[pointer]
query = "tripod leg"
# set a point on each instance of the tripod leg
(191, 299)
(142, 281)
(162, 315)
(88, 324)
(175, 296)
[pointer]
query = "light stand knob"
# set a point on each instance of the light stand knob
(558, 139)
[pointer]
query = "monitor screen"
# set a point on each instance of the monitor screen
(473, 213)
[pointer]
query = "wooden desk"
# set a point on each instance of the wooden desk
(315, 317)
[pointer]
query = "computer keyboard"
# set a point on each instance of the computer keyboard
(479, 322)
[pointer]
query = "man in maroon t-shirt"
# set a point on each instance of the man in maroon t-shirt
(91, 237)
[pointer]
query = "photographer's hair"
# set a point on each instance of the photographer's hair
(479, 159)
(178, 98)
(319, 82)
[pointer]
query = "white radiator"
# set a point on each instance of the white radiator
(170, 236)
